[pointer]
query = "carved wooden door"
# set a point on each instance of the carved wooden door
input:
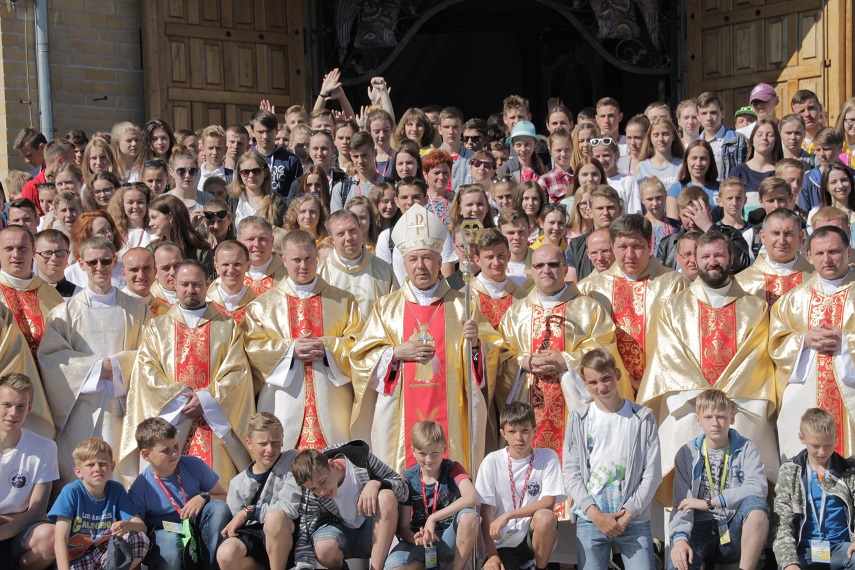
(211, 61)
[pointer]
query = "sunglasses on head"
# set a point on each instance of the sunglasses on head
(503, 178)
(157, 162)
(555, 207)
(608, 141)
(218, 214)
(254, 171)
(182, 172)
(474, 138)
(319, 131)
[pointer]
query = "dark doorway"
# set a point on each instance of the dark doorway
(473, 54)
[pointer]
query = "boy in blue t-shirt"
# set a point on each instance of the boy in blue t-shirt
(92, 509)
(438, 523)
(174, 488)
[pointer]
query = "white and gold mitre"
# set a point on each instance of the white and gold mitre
(419, 229)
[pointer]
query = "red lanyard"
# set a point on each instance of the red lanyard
(424, 494)
(169, 495)
(513, 483)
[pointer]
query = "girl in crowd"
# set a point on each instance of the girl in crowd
(188, 139)
(846, 125)
(527, 164)
(558, 182)
(47, 194)
(559, 118)
(553, 220)
(607, 151)
(582, 135)
(416, 126)
(184, 171)
(503, 188)
(67, 176)
(836, 189)
(482, 169)
(308, 214)
(344, 130)
(581, 220)
(378, 123)
(589, 171)
(661, 153)
(531, 198)
(636, 132)
(89, 224)
(792, 129)
(99, 191)
(129, 210)
(125, 143)
(364, 211)
(251, 192)
(699, 170)
(383, 199)
(315, 182)
(97, 157)
(156, 143)
(688, 121)
(169, 219)
(155, 176)
(437, 168)
(764, 152)
(470, 202)
(218, 222)
(653, 196)
(408, 161)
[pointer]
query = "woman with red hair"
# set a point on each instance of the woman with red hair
(436, 166)
(93, 223)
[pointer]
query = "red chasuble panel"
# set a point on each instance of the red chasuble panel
(260, 286)
(718, 339)
(238, 314)
(493, 309)
(628, 305)
(776, 285)
(307, 316)
(28, 314)
(192, 355)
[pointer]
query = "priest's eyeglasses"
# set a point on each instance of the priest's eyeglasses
(96, 262)
(59, 253)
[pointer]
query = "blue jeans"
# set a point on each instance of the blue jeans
(635, 545)
(704, 540)
(167, 550)
(839, 561)
(405, 553)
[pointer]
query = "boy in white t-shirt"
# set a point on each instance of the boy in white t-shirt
(28, 467)
(518, 487)
(611, 469)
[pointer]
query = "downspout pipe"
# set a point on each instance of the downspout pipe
(43, 69)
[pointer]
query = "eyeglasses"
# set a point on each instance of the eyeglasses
(254, 171)
(103, 190)
(158, 163)
(608, 141)
(483, 164)
(473, 138)
(218, 214)
(549, 264)
(502, 178)
(96, 262)
(182, 172)
(59, 253)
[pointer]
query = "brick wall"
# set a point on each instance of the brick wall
(94, 52)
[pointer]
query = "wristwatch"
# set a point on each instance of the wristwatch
(709, 504)
(206, 496)
(250, 511)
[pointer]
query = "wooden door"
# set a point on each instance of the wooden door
(211, 61)
(791, 44)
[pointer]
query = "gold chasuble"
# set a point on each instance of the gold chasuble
(216, 298)
(405, 393)
(807, 378)
(209, 360)
(632, 305)
(313, 400)
(15, 356)
(571, 324)
(763, 281)
(274, 274)
(30, 307)
(368, 280)
(80, 334)
(697, 346)
(158, 293)
(493, 309)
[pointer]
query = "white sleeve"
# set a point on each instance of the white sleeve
(48, 469)
(553, 481)
(382, 250)
(171, 412)
(486, 482)
(448, 255)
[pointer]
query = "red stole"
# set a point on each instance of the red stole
(307, 316)
(154, 307)
(28, 314)
(238, 314)
(258, 287)
(777, 285)
(829, 309)
(424, 389)
(717, 332)
(192, 355)
(493, 309)
(628, 307)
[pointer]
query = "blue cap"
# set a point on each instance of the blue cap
(524, 129)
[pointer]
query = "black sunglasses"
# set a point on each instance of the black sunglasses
(247, 171)
(219, 214)
(474, 138)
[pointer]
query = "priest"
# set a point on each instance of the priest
(265, 267)
(413, 355)
(167, 256)
(229, 292)
(633, 289)
(601, 255)
(192, 371)
(712, 334)
(87, 354)
(138, 272)
(812, 343)
(781, 268)
(492, 290)
(299, 338)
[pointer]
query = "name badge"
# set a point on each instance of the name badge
(723, 531)
(820, 551)
(431, 559)
(173, 527)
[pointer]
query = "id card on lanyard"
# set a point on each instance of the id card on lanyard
(168, 525)
(820, 550)
(431, 558)
(723, 531)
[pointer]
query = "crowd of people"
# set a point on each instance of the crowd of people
(406, 339)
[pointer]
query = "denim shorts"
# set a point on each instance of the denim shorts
(405, 553)
(13, 548)
(353, 542)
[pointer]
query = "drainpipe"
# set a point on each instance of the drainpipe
(43, 69)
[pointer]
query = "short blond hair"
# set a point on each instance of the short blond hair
(817, 421)
(15, 181)
(830, 214)
(90, 449)
(731, 182)
(713, 400)
(597, 360)
(427, 433)
(262, 421)
(18, 382)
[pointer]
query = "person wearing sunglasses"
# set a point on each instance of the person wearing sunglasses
(475, 134)
(184, 170)
(284, 166)
(251, 192)
(91, 224)
(607, 152)
(218, 221)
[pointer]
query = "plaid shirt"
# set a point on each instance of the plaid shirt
(556, 183)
